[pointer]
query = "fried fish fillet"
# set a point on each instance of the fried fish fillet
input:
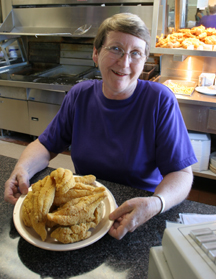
(86, 179)
(43, 193)
(64, 180)
(80, 231)
(28, 216)
(78, 191)
(74, 233)
(78, 210)
(27, 209)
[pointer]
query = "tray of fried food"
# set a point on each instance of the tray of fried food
(64, 206)
(181, 87)
(198, 38)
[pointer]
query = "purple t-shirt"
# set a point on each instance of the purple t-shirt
(209, 21)
(133, 141)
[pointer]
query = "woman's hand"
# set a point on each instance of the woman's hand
(16, 185)
(133, 213)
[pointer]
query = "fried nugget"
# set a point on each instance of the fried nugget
(64, 180)
(79, 190)
(79, 210)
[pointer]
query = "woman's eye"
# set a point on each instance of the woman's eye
(115, 49)
(135, 53)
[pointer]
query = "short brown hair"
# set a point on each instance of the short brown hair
(212, 9)
(126, 23)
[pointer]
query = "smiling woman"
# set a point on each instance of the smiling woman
(119, 71)
(120, 129)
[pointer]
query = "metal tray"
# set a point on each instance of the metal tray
(182, 85)
(148, 72)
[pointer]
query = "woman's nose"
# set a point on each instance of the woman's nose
(125, 60)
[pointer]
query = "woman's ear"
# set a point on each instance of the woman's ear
(95, 56)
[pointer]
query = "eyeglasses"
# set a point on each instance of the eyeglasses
(118, 52)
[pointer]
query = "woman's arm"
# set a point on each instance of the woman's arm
(174, 188)
(34, 158)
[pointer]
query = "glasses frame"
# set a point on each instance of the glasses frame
(123, 53)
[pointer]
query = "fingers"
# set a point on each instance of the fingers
(15, 186)
(130, 215)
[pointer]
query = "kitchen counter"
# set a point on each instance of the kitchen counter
(107, 258)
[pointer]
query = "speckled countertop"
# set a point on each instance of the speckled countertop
(107, 258)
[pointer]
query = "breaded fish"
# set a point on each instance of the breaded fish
(74, 233)
(27, 209)
(64, 180)
(43, 196)
(86, 179)
(76, 211)
(28, 216)
(77, 192)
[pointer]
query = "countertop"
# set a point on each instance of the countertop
(195, 99)
(107, 258)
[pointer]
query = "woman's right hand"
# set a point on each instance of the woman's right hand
(16, 185)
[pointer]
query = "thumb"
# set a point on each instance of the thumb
(23, 184)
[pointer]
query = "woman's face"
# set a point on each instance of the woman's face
(120, 74)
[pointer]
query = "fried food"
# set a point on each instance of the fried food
(210, 40)
(77, 211)
(179, 88)
(28, 216)
(27, 209)
(74, 233)
(64, 180)
(79, 190)
(86, 179)
(43, 198)
(59, 200)
(193, 38)
(77, 232)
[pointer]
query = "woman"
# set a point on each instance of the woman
(120, 129)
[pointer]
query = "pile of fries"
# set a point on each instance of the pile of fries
(195, 38)
(179, 88)
(64, 206)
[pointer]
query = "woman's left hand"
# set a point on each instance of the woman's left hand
(133, 213)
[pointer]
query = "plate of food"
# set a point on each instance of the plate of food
(64, 212)
(207, 90)
(180, 87)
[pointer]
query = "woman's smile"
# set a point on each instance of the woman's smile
(120, 72)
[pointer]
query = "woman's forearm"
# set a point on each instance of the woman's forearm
(34, 158)
(175, 187)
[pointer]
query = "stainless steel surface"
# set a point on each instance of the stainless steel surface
(67, 21)
(45, 96)
(13, 92)
(189, 69)
(39, 116)
(77, 2)
(14, 115)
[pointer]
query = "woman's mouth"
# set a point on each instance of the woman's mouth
(118, 73)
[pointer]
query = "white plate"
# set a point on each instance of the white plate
(205, 90)
(109, 205)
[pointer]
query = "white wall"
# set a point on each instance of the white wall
(6, 8)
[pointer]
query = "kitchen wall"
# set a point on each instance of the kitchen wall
(6, 6)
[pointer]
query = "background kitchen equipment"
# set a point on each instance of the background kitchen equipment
(55, 39)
